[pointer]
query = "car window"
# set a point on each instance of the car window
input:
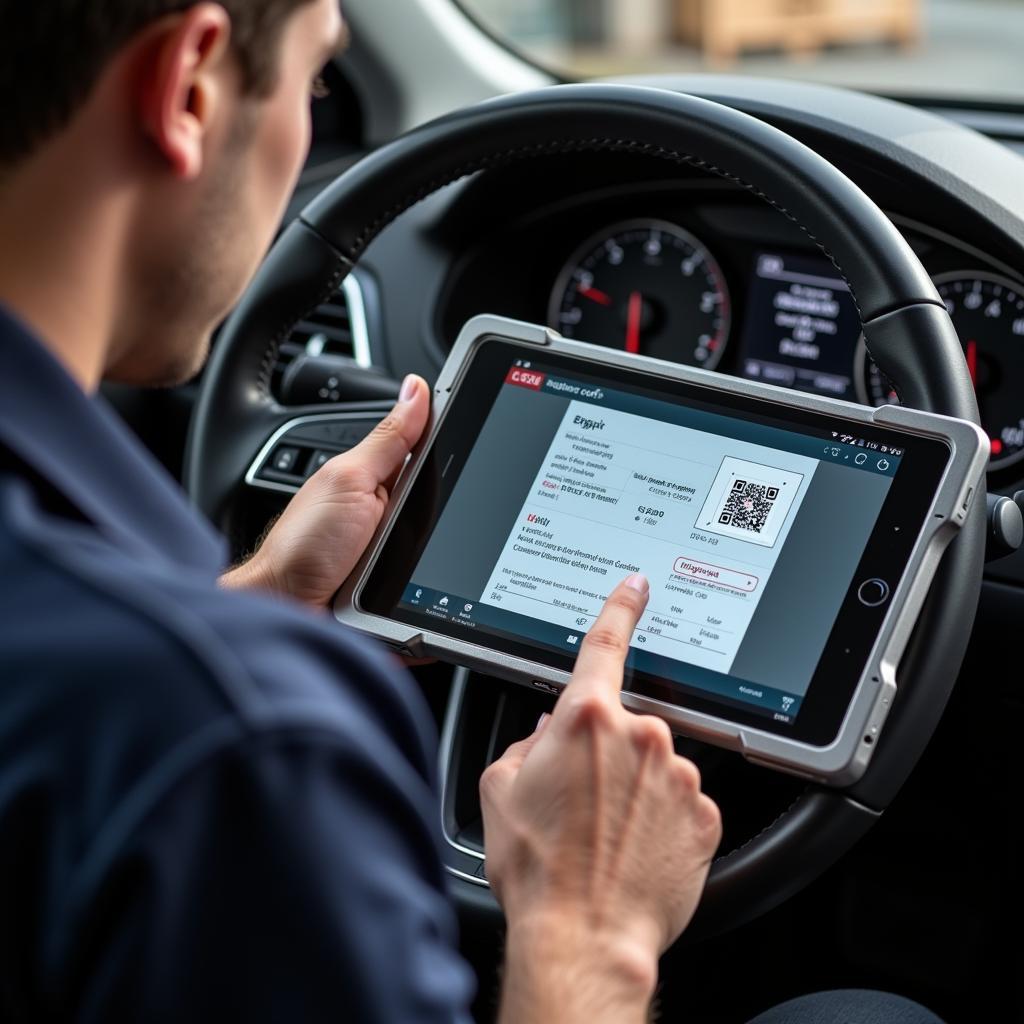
(939, 48)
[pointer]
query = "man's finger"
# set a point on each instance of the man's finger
(385, 449)
(502, 773)
(603, 652)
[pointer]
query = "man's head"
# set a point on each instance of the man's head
(176, 129)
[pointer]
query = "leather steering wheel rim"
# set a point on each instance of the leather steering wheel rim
(905, 323)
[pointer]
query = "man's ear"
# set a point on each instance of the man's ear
(182, 82)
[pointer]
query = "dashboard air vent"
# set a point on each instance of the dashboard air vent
(335, 328)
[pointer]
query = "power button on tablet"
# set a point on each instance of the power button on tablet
(873, 592)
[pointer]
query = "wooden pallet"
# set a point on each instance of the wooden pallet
(723, 29)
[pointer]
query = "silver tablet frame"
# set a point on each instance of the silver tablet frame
(840, 762)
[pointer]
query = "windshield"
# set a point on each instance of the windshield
(956, 49)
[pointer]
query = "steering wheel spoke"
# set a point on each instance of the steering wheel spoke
(305, 440)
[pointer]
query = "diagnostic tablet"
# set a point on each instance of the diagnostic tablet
(789, 539)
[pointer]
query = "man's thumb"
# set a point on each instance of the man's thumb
(385, 449)
(501, 774)
(517, 752)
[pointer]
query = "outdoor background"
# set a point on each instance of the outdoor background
(940, 48)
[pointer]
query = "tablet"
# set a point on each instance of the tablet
(789, 539)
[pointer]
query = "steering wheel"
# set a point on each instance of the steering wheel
(906, 326)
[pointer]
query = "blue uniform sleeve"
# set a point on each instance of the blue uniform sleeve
(290, 875)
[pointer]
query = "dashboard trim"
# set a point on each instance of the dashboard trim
(460, 681)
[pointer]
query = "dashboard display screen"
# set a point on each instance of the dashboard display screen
(553, 484)
(801, 326)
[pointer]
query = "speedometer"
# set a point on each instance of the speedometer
(988, 313)
(645, 286)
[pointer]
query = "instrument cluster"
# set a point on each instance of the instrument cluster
(651, 286)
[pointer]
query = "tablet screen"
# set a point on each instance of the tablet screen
(550, 482)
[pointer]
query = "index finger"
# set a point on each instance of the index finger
(602, 656)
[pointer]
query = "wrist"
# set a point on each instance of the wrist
(554, 963)
(248, 575)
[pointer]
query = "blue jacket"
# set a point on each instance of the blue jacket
(213, 806)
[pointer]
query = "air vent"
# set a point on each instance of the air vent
(335, 328)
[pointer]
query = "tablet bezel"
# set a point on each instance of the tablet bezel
(835, 731)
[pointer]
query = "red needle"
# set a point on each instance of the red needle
(596, 295)
(636, 305)
(972, 361)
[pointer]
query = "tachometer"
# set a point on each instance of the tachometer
(645, 286)
(988, 313)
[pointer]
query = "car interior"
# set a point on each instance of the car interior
(907, 883)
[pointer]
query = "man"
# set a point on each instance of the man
(214, 805)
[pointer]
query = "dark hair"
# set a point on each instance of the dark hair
(52, 53)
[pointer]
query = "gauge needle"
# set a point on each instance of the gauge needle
(596, 295)
(636, 305)
(972, 361)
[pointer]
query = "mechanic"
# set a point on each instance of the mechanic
(213, 803)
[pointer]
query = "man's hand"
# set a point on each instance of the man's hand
(327, 526)
(598, 840)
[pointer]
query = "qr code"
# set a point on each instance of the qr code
(747, 505)
(750, 502)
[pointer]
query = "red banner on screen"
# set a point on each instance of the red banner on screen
(525, 378)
